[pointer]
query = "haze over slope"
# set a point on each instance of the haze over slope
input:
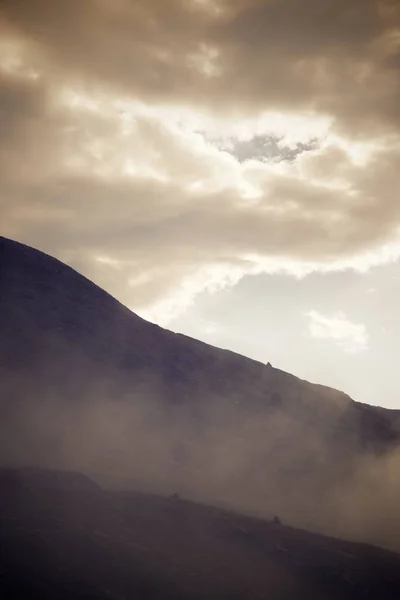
(88, 385)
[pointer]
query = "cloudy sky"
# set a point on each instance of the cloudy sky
(227, 168)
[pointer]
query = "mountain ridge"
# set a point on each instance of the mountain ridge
(6, 245)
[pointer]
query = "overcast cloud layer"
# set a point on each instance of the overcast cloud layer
(125, 127)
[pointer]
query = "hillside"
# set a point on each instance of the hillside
(88, 385)
(62, 537)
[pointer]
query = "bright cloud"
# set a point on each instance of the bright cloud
(351, 337)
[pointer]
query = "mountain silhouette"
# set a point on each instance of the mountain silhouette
(87, 385)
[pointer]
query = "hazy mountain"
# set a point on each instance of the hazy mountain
(88, 385)
(64, 538)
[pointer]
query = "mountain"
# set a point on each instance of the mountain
(87, 385)
(62, 537)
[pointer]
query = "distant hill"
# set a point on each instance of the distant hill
(63, 538)
(88, 385)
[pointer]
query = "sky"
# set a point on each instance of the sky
(229, 169)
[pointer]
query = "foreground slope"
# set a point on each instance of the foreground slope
(88, 385)
(62, 537)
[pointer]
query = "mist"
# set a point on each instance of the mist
(212, 449)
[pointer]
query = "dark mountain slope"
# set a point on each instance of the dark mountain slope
(53, 318)
(62, 537)
(88, 385)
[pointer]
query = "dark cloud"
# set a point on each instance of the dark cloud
(321, 55)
